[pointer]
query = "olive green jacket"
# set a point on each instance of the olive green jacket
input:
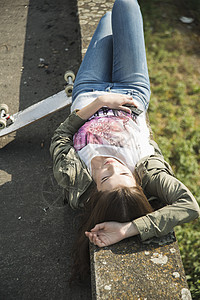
(177, 204)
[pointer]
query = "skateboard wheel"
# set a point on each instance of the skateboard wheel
(2, 123)
(69, 74)
(69, 89)
(4, 107)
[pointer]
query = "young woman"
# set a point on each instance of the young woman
(102, 154)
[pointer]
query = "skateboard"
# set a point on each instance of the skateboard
(37, 111)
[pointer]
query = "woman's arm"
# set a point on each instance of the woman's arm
(112, 100)
(109, 233)
(181, 207)
(63, 153)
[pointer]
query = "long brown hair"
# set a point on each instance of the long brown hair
(123, 204)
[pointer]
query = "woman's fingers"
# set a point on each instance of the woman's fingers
(88, 234)
(95, 239)
(98, 227)
(100, 243)
(129, 102)
(116, 101)
(91, 237)
(126, 109)
(128, 97)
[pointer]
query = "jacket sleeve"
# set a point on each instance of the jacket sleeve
(63, 153)
(180, 205)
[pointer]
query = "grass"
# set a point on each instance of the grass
(173, 60)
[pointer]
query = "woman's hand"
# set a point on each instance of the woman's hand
(113, 100)
(109, 233)
(117, 101)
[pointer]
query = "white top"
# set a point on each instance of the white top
(120, 137)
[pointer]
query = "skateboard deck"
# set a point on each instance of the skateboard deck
(37, 111)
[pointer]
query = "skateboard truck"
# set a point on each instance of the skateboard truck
(37, 110)
(5, 118)
(69, 78)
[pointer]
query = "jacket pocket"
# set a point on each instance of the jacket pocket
(65, 172)
(68, 167)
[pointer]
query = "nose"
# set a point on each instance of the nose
(112, 168)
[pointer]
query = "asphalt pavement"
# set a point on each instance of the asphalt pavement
(39, 41)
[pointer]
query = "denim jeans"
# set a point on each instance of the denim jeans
(115, 60)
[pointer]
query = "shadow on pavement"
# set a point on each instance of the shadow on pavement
(37, 230)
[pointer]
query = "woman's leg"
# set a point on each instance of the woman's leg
(129, 56)
(96, 67)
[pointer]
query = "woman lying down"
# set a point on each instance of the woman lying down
(102, 154)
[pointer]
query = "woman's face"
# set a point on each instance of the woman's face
(109, 173)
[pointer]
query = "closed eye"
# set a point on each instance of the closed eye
(107, 177)
(126, 174)
(104, 179)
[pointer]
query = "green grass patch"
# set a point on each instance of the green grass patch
(173, 61)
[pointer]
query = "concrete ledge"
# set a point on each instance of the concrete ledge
(131, 269)
(135, 270)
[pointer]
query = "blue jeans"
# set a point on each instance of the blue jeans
(116, 59)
